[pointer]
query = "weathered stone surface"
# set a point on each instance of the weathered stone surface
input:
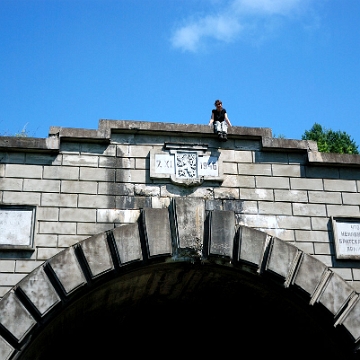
(309, 273)
(39, 290)
(252, 245)
(14, 316)
(67, 270)
(97, 253)
(281, 258)
(222, 233)
(352, 321)
(158, 231)
(128, 242)
(190, 216)
(5, 349)
(335, 294)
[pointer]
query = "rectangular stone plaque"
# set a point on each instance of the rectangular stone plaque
(347, 237)
(16, 227)
(183, 165)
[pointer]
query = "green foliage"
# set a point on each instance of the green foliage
(331, 141)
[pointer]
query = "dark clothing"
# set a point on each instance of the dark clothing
(219, 115)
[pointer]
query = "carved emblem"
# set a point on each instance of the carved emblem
(185, 164)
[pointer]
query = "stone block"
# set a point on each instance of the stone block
(293, 222)
(90, 229)
(246, 181)
(340, 185)
(230, 168)
(352, 321)
(306, 184)
(61, 200)
(343, 210)
(274, 208)
(7, 266)
(39, 291)
(47, 213)
(61, 172)
(257, 194)
(190, 217)
(350, 198)
(21, 198)
(80, 160)
(326, 197)
(79, 187)
(44, 253)
(52, 185)
(335, 294)
(313, 236)
(5, 349)
(117, 216)
(128, 244)
(235, 206)
(158, 233)
(26, 266)
(11, 308)
(287, 170)
(222, 233)
(10, 279)
(23, 171)
(252, 245)
(160, 202)
(132, 202)
(226, 193)
(282, 258)
(70, 240)
(57, 227)
(97, 254)
(68, 270)
(322, 172)
(309, 274)
(266, 182)
(97, 174)
(309, 209)
(291, 195)
(147, 190)
(254, 169)
(133, 176)
(121, 189)
(78, 215)
(96, 201)
(11, 184)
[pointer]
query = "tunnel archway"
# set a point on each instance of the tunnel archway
(139, 288)
(190, 309)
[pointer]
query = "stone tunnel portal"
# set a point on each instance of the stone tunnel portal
(192, 310)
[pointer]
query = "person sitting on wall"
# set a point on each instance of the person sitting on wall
(220, 121)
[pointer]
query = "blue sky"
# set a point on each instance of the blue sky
(281, 64)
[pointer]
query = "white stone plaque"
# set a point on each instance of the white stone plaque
(164, 164)
(208, 166)
(347, 238)
(16, 227)
(184, 166)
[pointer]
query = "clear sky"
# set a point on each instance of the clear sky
(281, 64)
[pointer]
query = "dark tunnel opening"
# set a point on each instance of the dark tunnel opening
(190, 310)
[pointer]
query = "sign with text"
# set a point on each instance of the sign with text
(185, 166)
(347, 238)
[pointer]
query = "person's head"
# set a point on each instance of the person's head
(218, 104)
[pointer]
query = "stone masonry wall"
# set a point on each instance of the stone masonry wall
(83, 182)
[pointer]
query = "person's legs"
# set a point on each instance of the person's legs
(224, 128)
(218, 129)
